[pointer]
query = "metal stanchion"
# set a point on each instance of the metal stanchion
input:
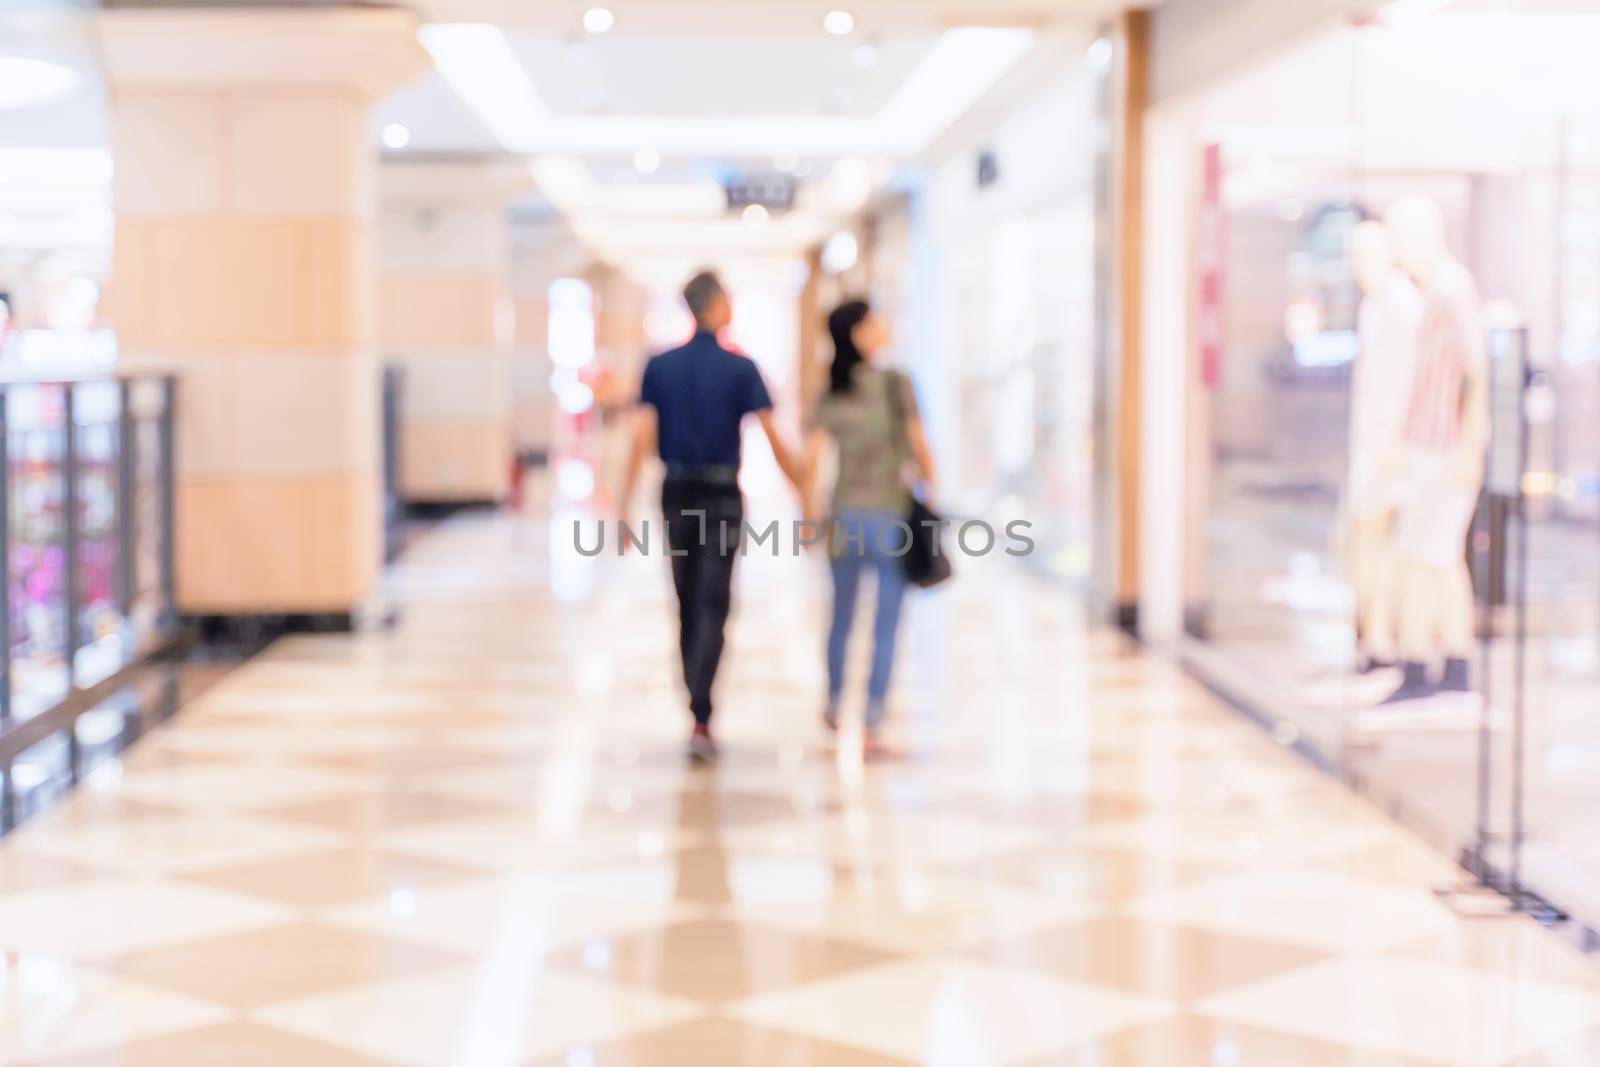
(127, 493)
(72, 550)
(1489, 894)
(169, 503)
(5, 566)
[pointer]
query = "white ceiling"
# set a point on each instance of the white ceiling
(717, 90)
(1463, 90)
(763, 16)
(729, 72)
(716, 87)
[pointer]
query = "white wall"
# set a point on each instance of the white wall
(1196, 41)
(978, 283)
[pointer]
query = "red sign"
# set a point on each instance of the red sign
(1212, 255)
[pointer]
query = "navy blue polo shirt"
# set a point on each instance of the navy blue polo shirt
(701, 393)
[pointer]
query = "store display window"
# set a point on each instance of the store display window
(1394, 373)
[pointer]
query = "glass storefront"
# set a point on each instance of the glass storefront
(1015, 235)
(1395, 272)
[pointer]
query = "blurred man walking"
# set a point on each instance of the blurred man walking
(692, 404)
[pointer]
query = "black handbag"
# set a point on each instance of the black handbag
(925, 562)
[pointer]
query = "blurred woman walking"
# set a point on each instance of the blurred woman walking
(869, 415)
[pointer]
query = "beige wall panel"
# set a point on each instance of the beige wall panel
(531, 313)
(208, 427)
(169, 153)
(306, 416)
(262, 545)
(455, 461)
(444, 239)
(533, 404)
(447, 386)
(263, 179)
(343, 537)
(219, 282)
(438, 310)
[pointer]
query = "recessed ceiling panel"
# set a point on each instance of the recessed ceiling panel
(744, 75)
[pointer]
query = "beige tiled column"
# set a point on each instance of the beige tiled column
(445, 317)
(244, 200)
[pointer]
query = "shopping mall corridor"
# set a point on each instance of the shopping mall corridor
(473, 840)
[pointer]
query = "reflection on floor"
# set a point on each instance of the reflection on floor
(1281, 637)
(473, 841)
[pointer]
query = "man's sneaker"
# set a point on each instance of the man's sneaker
(702, 749)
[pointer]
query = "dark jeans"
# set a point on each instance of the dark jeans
(703, 524)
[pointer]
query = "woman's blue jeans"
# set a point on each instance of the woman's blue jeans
(862, 540)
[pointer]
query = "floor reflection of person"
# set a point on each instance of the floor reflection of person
(870, 415)
(692, 402)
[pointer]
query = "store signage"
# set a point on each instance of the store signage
(988, 168)
(775, 192)
(1212, 259)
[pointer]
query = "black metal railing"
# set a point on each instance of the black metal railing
(87, 495)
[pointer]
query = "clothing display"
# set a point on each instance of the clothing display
(1451, 350)
(1389, 329)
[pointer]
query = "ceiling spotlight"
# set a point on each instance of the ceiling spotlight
(755, 215)
(865, 55)
(598, 20)
(395, 136)
(839, 23)
(647, 161)
(840, 253)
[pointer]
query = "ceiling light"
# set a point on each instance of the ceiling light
(851, 178)
(1100, 53)
(1402, 10)
(964, 64)
(56, 167)
(865, 56)
(25, 82)
(839, 23)
(478, 63)
(755, 215)
(841, 252)
(598, 20)
(395, 136)
(647, 161)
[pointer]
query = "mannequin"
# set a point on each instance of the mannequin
(1442, 457)
(1388, 328)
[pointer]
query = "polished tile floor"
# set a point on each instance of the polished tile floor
(473, 840)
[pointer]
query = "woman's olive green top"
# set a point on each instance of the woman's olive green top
(869, 425)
